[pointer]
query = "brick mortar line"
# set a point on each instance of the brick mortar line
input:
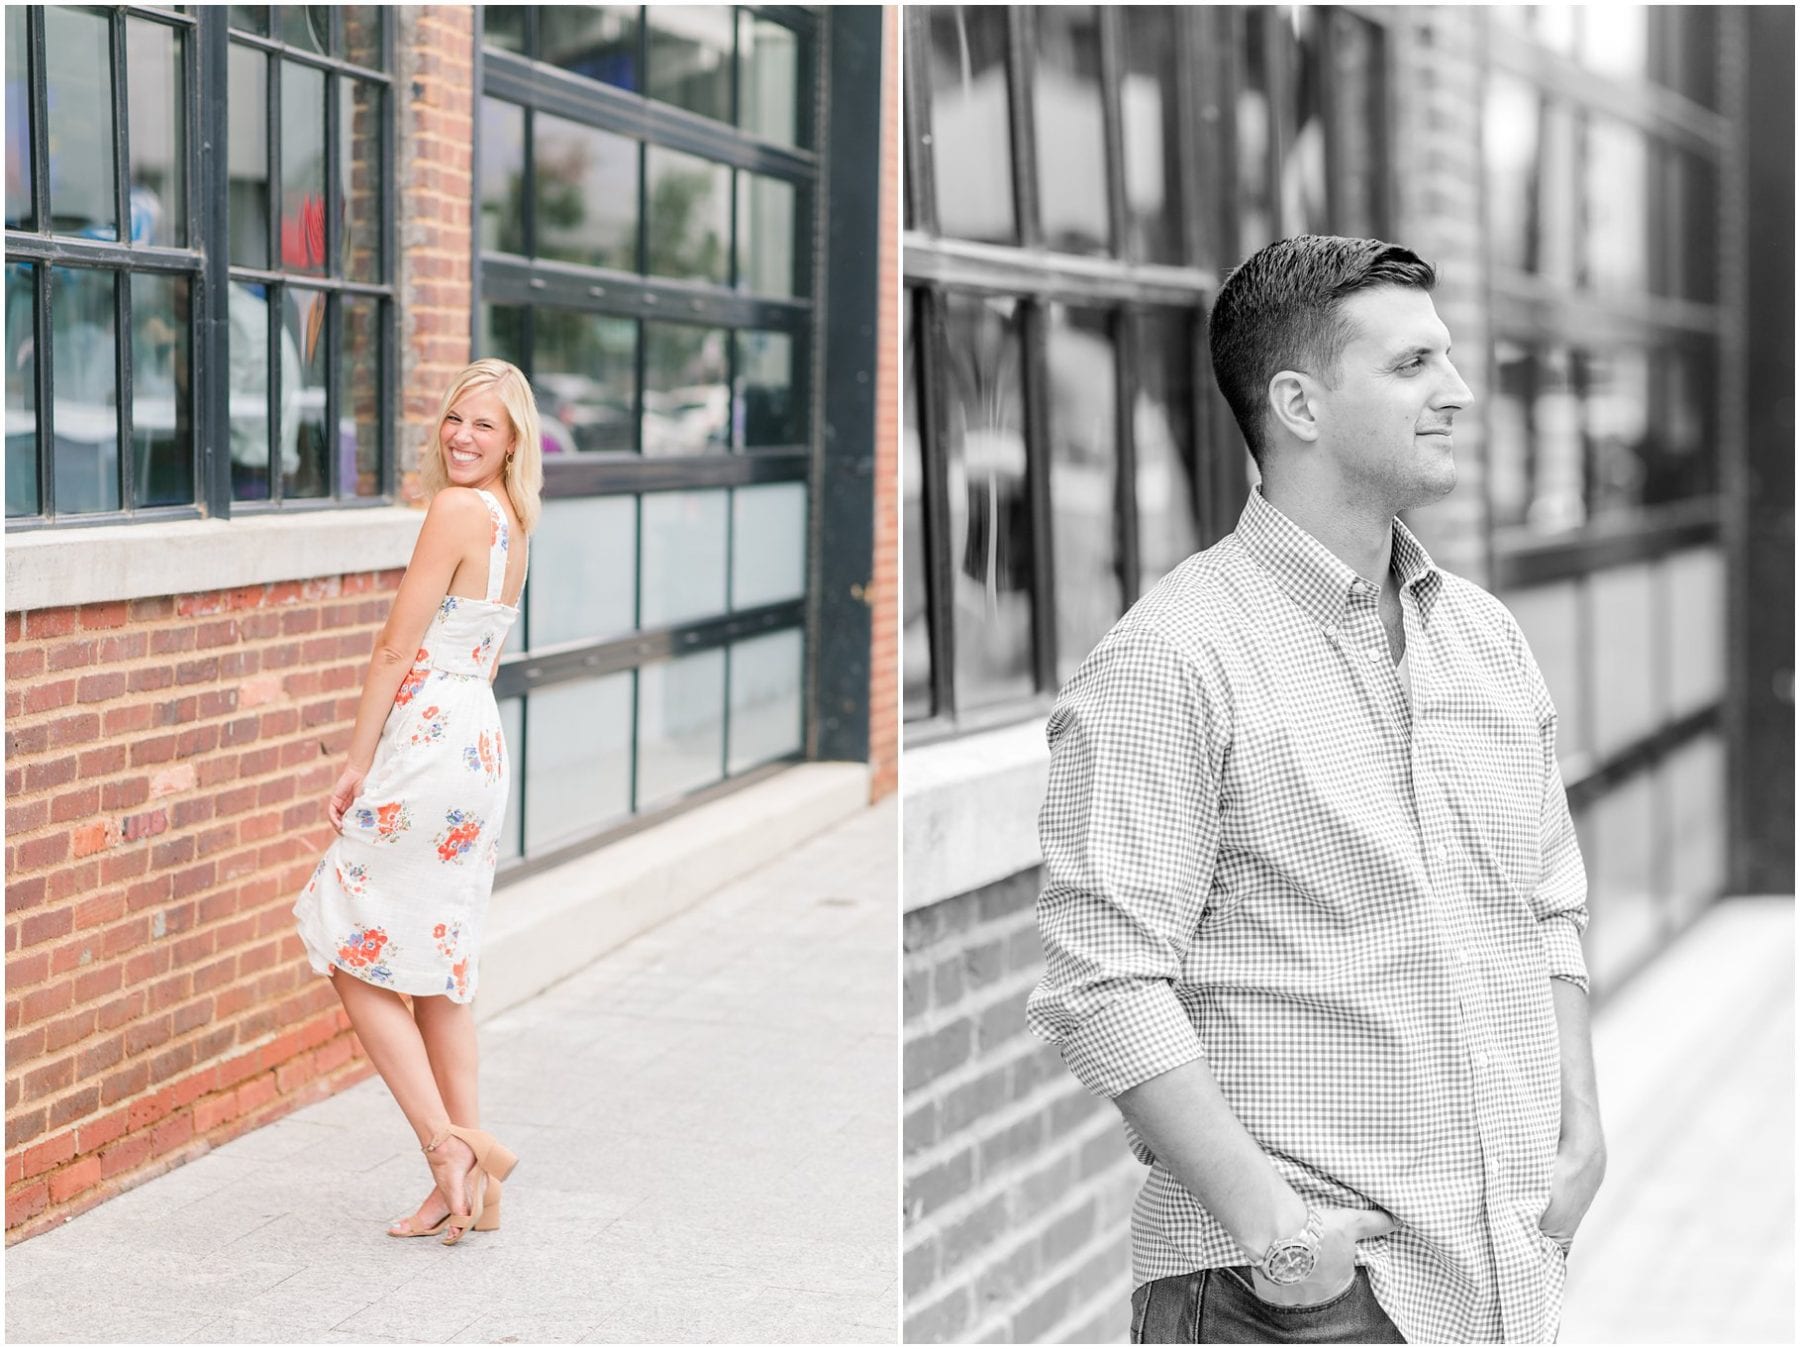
(1041, 1097)
(935, 1017)
(1116, 1295)
(935, 1224)
(1000, 1252)
(1096, 1246)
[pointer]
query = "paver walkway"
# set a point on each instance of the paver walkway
(707, 1121)
(1691, 1239)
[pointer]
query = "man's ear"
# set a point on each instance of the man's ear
(1292, 401)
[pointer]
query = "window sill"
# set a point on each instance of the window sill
(971, 807)
(50, 569)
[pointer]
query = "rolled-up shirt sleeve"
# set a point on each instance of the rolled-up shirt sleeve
(1130, 832)
(1560, 897)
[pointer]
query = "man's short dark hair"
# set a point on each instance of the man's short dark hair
(1280, 310)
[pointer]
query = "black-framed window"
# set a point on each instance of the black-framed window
(1063, 445)
(122, 402)
(647, 189)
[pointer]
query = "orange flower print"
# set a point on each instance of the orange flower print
(352, 877)
(415, 678)
(483, 756)
(438, 931)
(480, 653)
(449, 938)
(456, 841)
(364, 953)
(388, 821)
(431, 726)
(313, 883)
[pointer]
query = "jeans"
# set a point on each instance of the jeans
(1219, 1306)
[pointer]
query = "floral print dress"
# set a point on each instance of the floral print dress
(399, 899)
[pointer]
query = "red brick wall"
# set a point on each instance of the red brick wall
(167, 762)
(1018, 1182)
(884, 654)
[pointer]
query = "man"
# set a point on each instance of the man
(1313, 900)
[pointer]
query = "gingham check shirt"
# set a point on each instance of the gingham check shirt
(1258, 851)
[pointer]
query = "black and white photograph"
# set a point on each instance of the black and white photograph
(1347, 775)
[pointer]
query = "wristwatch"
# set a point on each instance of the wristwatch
(1291, 1259)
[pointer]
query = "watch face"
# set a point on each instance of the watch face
(1290, 1262)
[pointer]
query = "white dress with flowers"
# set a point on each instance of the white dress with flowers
(399, 899)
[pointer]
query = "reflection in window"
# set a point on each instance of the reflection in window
(584, 570)
(686, 397)
(971, 139)
(1071, 130)
(1615, 40)
(1529, 142)
(1152, 135)
(18, 125)
(768, 544)
(1084, 487)
(153, 57)
(1352, 49)
(1615, 408)
(577, 759)
(359, 421)
(86, 405)
(364, 39)
(1163, 441)
(162, 442)
(503, 335)
(915, 639)
(1618, 197)
(305, 327)
(21, 388)
(247, 182)
(765, 235)
(598, 42)
(1255, 125)
(1306, 208)
(248, 364)
(767, 680)
(769, 75)
(1536, 471)
(360, 177)
(689, 58)
(302, 168)
(307, 27)
(684, 557)
(681, 727)
(990, 509)
(767, 407)
(689, 226)
(503, 26)
(78, 98)
(583, 371)
(586, 194)
(502, 134)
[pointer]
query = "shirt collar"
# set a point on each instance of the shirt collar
(1317, 579)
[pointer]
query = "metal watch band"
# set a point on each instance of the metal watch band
(1291, 1259)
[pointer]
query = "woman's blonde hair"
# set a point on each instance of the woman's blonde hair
(524, 473)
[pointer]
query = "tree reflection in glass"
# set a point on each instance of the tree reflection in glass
(1162, 430)
(686, 397)
(689, 56)
(21, 390)
(162, 443)
(766, 411)
(1084, 464)
(1071, 130)
(971, 130)
(583, 371)
(153, 56)
(990, 507)
(503, 177)
(689, 228)
(586, 182)
(78, 98)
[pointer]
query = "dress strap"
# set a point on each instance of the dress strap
(497, 545)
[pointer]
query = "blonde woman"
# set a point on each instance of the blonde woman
(396, 904)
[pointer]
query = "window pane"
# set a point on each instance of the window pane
(990, 508)
(1622, 604)
(689, 55)
(765, 235)
(1694, 785)
(79, 113)
(1615, 40)
(248, 155)
(359, 420)
(503, 26)
(1084, 459)
(768, 544)
(162, 438)
(587, 183)
(503, 177)
(248, 363)
(681, 731)
(512, 737)
(1514, 173)
(503, 335)
(915, 639)
(158, 141)
(686, 398)
(1625, 884)
(251, 18)
(18, 124)
(1680, 452)
(1358, 122)
(1696, 243)
(1536, 466)
(364, 41)
(1694, 639)
(584, 372)
(683, 557)
(577, 758)
(303, 445)
(970, 131)
(598, 41)
(82, 360)
(690, 215)
(302, 168)
(769, 65)
(359, 168)
(307, 27)
(583, 570)
(1550, 617)
(769, 410)
(766, 681)
(1152, 135)
(1618, 197)
(1616, 407)
(1071, 130)
(1305, 204)
(21, 390)
(1255, 123)
(1162, 431)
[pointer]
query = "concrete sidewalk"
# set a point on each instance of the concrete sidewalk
(1691, 1238)
(708, 1125)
